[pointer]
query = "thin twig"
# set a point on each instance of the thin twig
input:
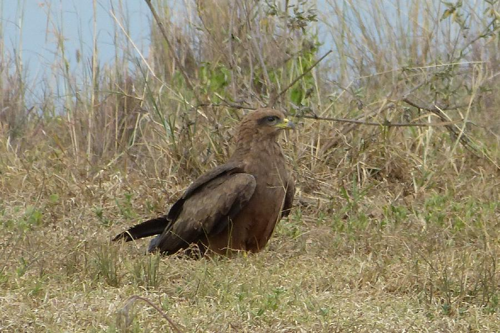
(454, 131)
(258, 51)
(464, 139)
(131, 41)
(431, 108)
(165, 36)
(228, 104)
(384, 124)
(134, 298)
(271, 104)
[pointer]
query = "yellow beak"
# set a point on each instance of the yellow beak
(286, 124)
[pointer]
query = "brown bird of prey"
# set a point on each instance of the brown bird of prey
(235, 206)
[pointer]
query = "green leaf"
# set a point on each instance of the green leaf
(54, 198)
(296, 96)
(447, 13)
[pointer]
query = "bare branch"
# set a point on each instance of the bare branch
(271, 103)
(135, 298)
(386, 123)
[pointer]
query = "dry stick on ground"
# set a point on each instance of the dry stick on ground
(135, 298)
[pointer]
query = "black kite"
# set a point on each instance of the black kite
(235, 206)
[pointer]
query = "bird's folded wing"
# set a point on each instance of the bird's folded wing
(207, 210)
(199, 183)
(290, 193)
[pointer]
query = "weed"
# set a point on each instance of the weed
(146, 271)
(106, 265)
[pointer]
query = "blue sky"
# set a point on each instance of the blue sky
(32, 26)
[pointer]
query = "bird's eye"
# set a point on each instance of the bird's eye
(269, 120)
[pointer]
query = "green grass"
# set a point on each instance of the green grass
(393, 228)
(372, 264)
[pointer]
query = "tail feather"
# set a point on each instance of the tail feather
(145, 229)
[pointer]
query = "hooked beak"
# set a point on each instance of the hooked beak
(286, 124)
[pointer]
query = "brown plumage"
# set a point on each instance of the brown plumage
(234, 206)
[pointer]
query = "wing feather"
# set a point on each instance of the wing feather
(223, 169)
(207, 210)
(290, 193)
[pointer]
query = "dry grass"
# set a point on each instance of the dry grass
(395, 229)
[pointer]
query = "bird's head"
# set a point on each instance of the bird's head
(258, 132)
(264, 124)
